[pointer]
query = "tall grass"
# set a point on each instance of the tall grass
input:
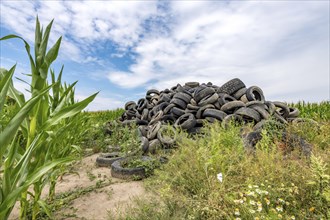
(42, 122)
(266, 185)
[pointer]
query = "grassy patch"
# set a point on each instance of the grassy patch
(264, 185)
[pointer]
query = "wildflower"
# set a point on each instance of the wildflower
(282, 184)
(311, 209)
(259, 191)
(269, 186)
(241, 194)
(292, 184)
(293, 218)
(262, 184)
(236, 201)
(281, 200)
(279, 208)
(244, 199)
(238, 219)
(250, 193)
(255, 186)
(250, 187)
(267, 201)
(256, 218)
(259, 208)
(287, 203)
(219, 176)
(252, 202)
(266, 192)
(279, 216)
(252, 211)
(237, 212)
(266, 181)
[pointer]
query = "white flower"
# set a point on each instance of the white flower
(252, 202)
(252, 211)
(219, 176)
(237, 212)
(279, 208)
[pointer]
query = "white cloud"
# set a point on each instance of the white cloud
(100, 102)
(281, 46)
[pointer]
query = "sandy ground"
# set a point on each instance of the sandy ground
(114, 198)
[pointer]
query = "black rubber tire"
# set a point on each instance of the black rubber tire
(255, 103)
(106, 159)
(200, 111)
(142, 103)
(130, 105)
(282, 109)
(262, 111)
(231, 118)
(117, 171)
(214, 113)
(250, 141)
(144, 144)
(209, 100)
(186, 121)
(248, 113)
(280, 118)
(152, 132)
(231, 86)
(143, 130)
(177, 111)
(254, 93)
(192, 84)
(192, 107)
(237, 95)
(270, 107)
(168, 108)
(203, 93)
(152, 92)
(166, 140)
(154, 146)
(179, 103)
(293, 112)
(168, 119)
(293, 141)
(144, 114)
(231, 107)
(183, 96)
(225, 98)
(164, 98)
(156, 118)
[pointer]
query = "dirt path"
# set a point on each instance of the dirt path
(112, 196)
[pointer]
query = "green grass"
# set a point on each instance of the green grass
(267, 185)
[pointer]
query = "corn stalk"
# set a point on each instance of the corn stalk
(40, 120)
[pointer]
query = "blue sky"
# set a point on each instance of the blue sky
(123, 48)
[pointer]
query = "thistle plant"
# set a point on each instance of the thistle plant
(42, 121)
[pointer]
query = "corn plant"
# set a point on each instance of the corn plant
(42, 121)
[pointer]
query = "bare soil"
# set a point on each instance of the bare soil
(114, 198)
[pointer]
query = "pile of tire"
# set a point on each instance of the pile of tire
(188, 107)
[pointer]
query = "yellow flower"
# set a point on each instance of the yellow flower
(256, 218)
(267, 201)
(293, 218)
(311, 209)
(237, 212)
(279, 216)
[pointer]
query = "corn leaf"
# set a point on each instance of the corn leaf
(27, 48)
(50, 57)
(68, 111)
(10, 130)
(4, 86)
